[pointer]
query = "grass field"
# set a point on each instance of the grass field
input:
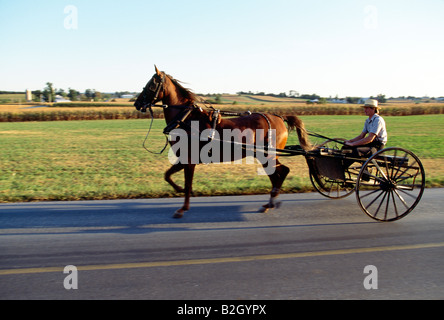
(104, 159)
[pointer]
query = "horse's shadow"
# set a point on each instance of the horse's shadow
(134, 216)
(124, 216)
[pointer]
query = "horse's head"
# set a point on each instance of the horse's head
(153, 92)
(163, 87)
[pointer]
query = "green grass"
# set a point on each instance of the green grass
(104, 159)
(75, 160)
(12, 97)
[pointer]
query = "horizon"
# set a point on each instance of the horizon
(240, 93)
(342, 48)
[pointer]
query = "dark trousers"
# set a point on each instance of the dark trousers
(365, 150)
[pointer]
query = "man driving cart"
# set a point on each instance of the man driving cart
(374, 135)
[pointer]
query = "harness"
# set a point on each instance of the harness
(178, 121)
(214, 115)
(214, 118)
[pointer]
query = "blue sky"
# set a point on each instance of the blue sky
(338, 47)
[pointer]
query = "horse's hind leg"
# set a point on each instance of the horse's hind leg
(277, 179)
(174, 169)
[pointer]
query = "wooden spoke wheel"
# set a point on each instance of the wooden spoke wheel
(390, 184)
(331, 187)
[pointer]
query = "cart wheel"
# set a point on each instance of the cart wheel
(390, 184)
(331, 188)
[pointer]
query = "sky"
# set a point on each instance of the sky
(331, 48)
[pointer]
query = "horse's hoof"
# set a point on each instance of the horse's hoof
(178, 214)
(266, 207)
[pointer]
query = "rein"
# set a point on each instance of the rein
(149, 131)
(159, 87)
(180, 119)
(317, 135)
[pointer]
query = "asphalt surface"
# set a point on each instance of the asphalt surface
(310, 248)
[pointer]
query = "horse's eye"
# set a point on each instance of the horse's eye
(152, 86)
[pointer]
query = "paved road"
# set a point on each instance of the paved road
(311, 248)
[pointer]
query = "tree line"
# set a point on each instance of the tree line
(49, 93)
(294, 94)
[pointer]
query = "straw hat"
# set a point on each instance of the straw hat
(371, 103)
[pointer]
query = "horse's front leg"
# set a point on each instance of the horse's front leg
(174, 169)
(189, 174)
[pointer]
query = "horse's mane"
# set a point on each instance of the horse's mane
(184, 92)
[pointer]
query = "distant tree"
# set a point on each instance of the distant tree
(293, 93)
(309, 96)
(352, 99)
(73, 94)
(37, 94)
(381, 98)
(89, 94)
(61, 92)
(49, 92)
(97, 95)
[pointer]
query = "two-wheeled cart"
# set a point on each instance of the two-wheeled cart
(388, 184)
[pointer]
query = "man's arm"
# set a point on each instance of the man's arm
(360, 137)
(361, 140)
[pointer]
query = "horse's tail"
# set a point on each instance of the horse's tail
(294, 123)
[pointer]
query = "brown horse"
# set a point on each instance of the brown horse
(181, 112)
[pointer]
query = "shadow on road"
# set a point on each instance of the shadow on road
(136, 216)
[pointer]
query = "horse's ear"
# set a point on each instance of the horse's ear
(157, 70)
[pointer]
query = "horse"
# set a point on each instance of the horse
(182, 112)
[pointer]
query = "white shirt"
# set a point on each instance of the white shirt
(376, 125)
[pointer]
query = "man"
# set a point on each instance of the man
(374, 135)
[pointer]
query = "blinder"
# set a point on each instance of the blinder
(155, 87)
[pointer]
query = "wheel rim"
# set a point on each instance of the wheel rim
(390, 184)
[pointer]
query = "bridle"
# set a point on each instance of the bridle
(155, 88)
